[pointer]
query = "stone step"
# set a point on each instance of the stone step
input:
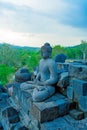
(26, 100)
(57, 124)
(79, 88)
(46, 111)
(76, 114)
(78, 71)
(77, 124)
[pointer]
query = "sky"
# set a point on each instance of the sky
(34, 22)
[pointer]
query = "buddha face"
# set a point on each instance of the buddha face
(46, 51)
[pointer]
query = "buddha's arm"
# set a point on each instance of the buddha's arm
(53, 74)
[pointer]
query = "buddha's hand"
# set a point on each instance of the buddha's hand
(39, 83)
(40, 88)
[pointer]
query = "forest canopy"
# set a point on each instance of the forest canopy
(12, 58)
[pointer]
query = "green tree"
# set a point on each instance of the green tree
(9, 56)
(6, 72)
(83, 48)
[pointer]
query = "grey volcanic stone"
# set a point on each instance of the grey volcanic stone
(76, 124)
(63, 80)
(50, 110)
(78, 71)
(60, 58)
(57, 124)
(1, 127)
(80, 88)
(83, 103)
(76, 114)
(3, 96)
(45, 111)
(22, 75)
(12, 114)
(70, 92)
(26, 101)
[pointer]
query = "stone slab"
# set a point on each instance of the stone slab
(50, 110)
(44, 111)
(26, 101)
(70, 93)
(82, 103)
(55, 97)
(1, 127)
(79, 88)
(76, 124)
(78, 71)
(63, 91)
(63, 80)
(76, 114)
(57, 124)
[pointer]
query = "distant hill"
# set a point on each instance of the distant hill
(24, 47)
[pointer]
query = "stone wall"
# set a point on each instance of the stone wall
(65, 110)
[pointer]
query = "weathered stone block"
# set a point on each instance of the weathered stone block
(83, 103)
(12, 114)
(55, 97)
(50, 110)
(63, 106)
(76, 124)
(1, 127)
(63, 80)
(57, 124)
(22, 75)
(20, 128)
(3, 106)
(16, 91)
(79, 87)
(34, 124)
(63, 66)
(78, 71)
(44, 111)
(70, 93)
(76, 114)
(3, 96)
(63, 91)
(26, 101)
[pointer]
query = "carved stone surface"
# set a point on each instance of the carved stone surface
(3, 96)
(83, 103)
(50, 110)
(63, 80)
(1, 127)
(46, 78)
(26, 101)
(79, 88)
(12, 114)
(65, 110)
(76, 124)
(70, 93)
(60, 58)
(76, 114)
(57, 124)
(22, 75)
(78, 71)
(45, 111)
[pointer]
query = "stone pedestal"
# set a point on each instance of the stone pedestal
(79, 88)
(78, 71)
(50, 110)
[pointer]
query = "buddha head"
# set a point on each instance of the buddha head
(46, 51)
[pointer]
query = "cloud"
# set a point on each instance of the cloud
(38, 21)
(76, 14)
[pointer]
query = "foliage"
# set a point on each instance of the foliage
(57, 50)
(83, 48)
(11, 58)
(5, 72)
